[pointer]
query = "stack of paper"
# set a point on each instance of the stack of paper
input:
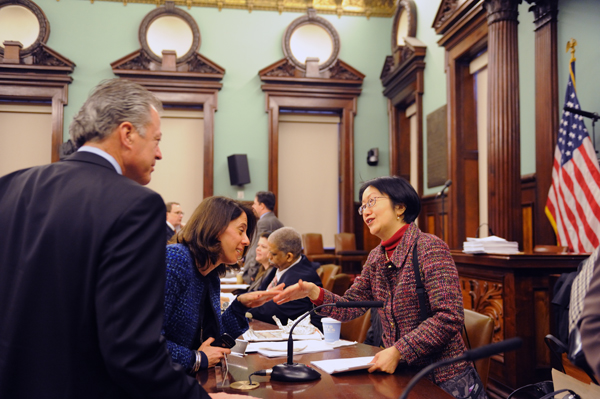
(333, 366)
(490, 245)
(279, 349)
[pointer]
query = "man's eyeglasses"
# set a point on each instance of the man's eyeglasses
(178, 213)
(372, 201)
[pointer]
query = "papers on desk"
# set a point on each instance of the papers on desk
(231, 287)
(490, 245)
(333, 366)
(278, 335)
(229, 280)
(279, 349)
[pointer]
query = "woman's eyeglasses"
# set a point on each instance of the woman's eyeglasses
(372, 201)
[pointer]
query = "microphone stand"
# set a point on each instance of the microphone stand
(298, 372)
(473, 354)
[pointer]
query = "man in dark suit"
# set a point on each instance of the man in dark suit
(82, 266)
(285, 253)
(263, 206)
(174, 218)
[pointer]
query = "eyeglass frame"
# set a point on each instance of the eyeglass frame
(178, 213)
(368, 204)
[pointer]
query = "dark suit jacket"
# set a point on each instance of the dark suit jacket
(170, 232)
(268, 222)
(82, 277)
(303, 270)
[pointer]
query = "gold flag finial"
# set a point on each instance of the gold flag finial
(571, 46)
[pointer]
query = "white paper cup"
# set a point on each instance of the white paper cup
(331, 329)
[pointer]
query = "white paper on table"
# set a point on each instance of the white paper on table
(278, 335)
(229, 280)
(279, 349)
(333, 366)
(234, 286)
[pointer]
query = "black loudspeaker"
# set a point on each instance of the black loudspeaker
(239, 174)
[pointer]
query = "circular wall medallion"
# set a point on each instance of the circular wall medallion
(311, 36)
(405, 23)
(169, 28)
(25, 22)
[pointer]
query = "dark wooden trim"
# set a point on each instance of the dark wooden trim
(285, 87)
(462, 45)
(193, 83)
(404, 85)
(546, 110)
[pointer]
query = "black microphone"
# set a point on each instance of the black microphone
(446, 185)
(297, 372)
(591, 115)
(473, 354)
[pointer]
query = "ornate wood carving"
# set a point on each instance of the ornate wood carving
(337, 90)
(44, 25)
(504, 160)
(485, 297)
(445, 11)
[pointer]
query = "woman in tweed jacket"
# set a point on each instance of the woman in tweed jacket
(389, 207)
(215, 238)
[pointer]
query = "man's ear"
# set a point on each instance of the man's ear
(126, 131)
(289, 257)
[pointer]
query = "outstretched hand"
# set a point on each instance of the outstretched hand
(258, 298)
(301, 289)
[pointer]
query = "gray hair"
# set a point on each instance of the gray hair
(111, 103)
(287, 239)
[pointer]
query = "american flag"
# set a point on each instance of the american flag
(573, 205)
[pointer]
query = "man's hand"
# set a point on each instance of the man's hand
(257, 298)
(213, 353)
(387, 360)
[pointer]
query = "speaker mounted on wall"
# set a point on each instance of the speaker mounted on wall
(239, 174)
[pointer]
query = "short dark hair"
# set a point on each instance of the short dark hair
(267, 198)
(207, 223)
(169, 205)
(400, 192)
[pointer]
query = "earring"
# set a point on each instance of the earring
(397, 217)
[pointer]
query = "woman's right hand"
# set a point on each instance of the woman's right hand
(301, 289)
(213, 353)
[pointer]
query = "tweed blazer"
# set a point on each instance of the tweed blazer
(419, 344)
(184, 312)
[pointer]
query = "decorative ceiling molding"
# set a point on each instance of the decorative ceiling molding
(367, 8)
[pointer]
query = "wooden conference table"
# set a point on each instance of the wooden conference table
(354, 384)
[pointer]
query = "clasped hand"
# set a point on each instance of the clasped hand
(255, 299)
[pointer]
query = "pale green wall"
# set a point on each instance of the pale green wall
(94, 35)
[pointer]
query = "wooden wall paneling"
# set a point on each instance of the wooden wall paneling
(404, 85)
(338, 93)
(515, 290)
(504, 161)
(529, 206)
(546, 110)
(464, 35)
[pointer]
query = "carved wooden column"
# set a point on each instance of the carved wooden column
(504, 176)
(546, 110)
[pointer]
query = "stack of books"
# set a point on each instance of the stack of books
(490, 245)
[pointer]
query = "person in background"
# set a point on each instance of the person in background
(590, 320)
(262, 258)
(263, 206)
(289, 266)
(214, 239)
(81, 297)
(389, 208)
(174, 218)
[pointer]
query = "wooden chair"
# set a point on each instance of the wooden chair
(314, 251)
(345, 249)
(356, 330)
(480, 330)
(326, 272)
(553, 249)
(340, 283)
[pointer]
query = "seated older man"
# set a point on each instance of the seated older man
(289, 266)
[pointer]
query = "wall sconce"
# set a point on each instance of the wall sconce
(373, 157)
